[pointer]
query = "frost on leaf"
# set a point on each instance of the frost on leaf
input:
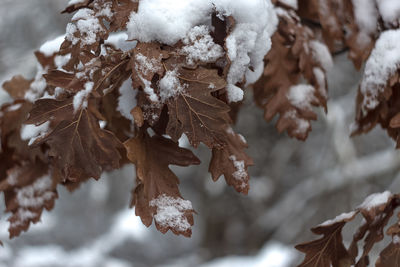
(156, 194)
(295, 56)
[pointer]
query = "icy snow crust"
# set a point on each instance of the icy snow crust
(168, 21)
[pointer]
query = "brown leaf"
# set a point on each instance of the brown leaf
(28, 190)
(155, 181)
(232, 162)
(293, 57)
(137, 114)
(376, 218)
(122, 10)
(195, 112)
(390, 256)
(17, 87)
(12, 116)
(79, 146)
(385, 113)
(64, 80)
(329, 250)
(146, 63)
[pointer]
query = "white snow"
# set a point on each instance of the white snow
(301, 96)
(240, 174)
(340, 218)
(166, 21)
(33, 132)
(302, 124)
(37, 86)
(35, 195)
(390, 10)
(235, 93)
(85, 22)
(144, 66)
(127, 99)
(375, 200)
(80, 99)
(61, 60)
(321, 81)
(321, 54)
(170, 85)
(14, 107)
(199, 46)
(32, 196)
(382, 63)
(171, 212)
(366, 15)
(12, 176)
(396, 239)
(120, 41)
(53, 46)
(73, 2)
(169, 21)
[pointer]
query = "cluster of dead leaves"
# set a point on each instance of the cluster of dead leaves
(337, 23)
(329, 250)
(295, 57)
(85, 134)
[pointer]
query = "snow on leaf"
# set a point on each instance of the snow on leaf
(295, 56)
(328, 250)
(172, 212)
(232, 162)
(28, 190)
(157, 193)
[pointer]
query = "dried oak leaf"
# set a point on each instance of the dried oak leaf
(17, 87)
(122, 10)
(329, 250)
(80, 148)
(156, 182)
(339, 27)
(146, 64)
(68, 81)
(195, 112)
(376, 218)
(12, 115)
(232, 162)
(390, 256)
(28, 190)
(386, 112)
(295, 55)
